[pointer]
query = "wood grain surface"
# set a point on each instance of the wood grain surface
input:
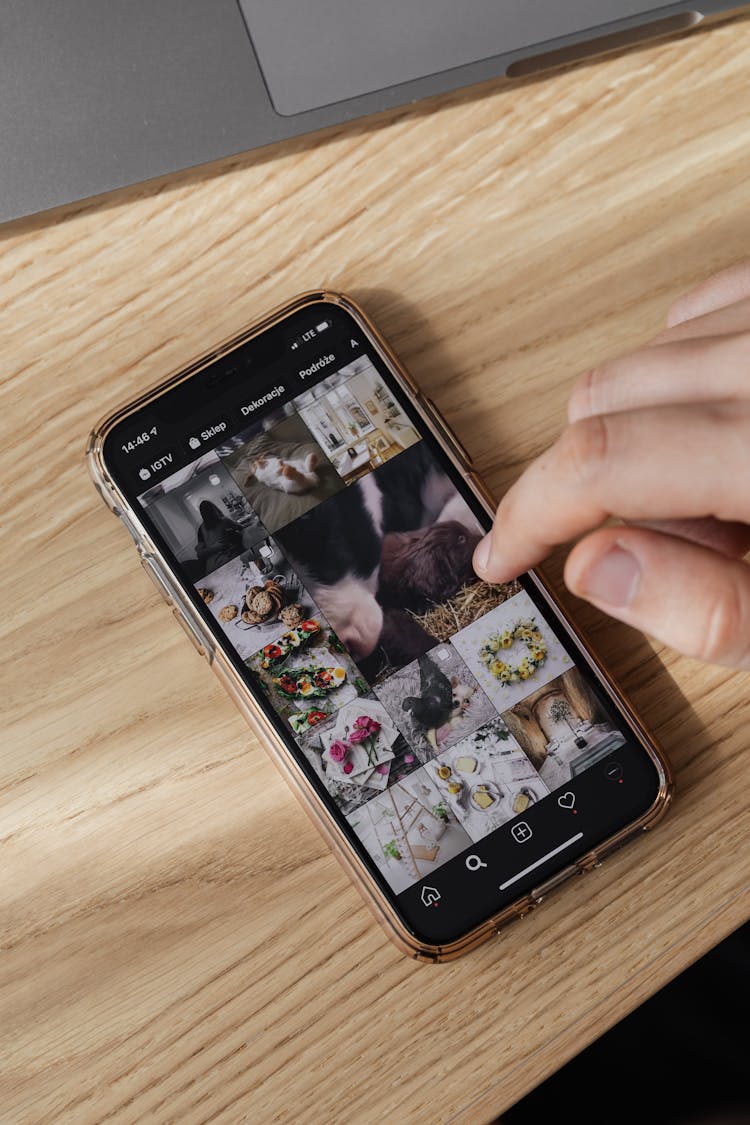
(177, 942)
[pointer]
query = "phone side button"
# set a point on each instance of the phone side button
(155, 575)
(189, 633)
(483, 491)
(439, 418)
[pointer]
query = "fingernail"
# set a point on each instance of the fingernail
(613, 579)
(482, 553)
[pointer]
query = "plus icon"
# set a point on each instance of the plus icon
(521, 832)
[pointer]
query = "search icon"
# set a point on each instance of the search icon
(473, 862)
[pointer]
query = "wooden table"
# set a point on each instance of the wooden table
(178, 944)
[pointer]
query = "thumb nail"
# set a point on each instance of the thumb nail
(482, 553)
(612, 579)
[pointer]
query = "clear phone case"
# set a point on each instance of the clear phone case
(168, 585)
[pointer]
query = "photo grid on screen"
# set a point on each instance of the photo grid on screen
(335, 554)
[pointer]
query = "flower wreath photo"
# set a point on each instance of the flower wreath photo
(512, 650)
(525, 632)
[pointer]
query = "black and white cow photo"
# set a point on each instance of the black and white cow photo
(383, 551)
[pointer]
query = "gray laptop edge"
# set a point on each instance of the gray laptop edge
(98, 94)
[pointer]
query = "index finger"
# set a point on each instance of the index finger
(667, 462)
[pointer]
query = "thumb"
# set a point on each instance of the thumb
(684, 594)
(725, 288)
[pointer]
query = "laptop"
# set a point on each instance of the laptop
(99, 94)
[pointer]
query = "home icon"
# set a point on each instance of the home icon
(430, 896)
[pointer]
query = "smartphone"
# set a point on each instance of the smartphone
(311, 518)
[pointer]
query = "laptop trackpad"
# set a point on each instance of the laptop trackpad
(317, 52)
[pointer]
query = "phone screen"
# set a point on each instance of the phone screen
(453, 726)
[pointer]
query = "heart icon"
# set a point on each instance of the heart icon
(567, 800)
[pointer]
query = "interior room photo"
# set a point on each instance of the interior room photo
(355, 419)
(563, 728)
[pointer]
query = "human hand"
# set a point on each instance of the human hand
(660, 439)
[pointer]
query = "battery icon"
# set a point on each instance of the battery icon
(322, 326)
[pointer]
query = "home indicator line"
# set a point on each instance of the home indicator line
(539, 862)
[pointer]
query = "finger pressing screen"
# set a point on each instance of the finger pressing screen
(681, 461)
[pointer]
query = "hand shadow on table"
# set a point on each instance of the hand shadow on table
(626, 653)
